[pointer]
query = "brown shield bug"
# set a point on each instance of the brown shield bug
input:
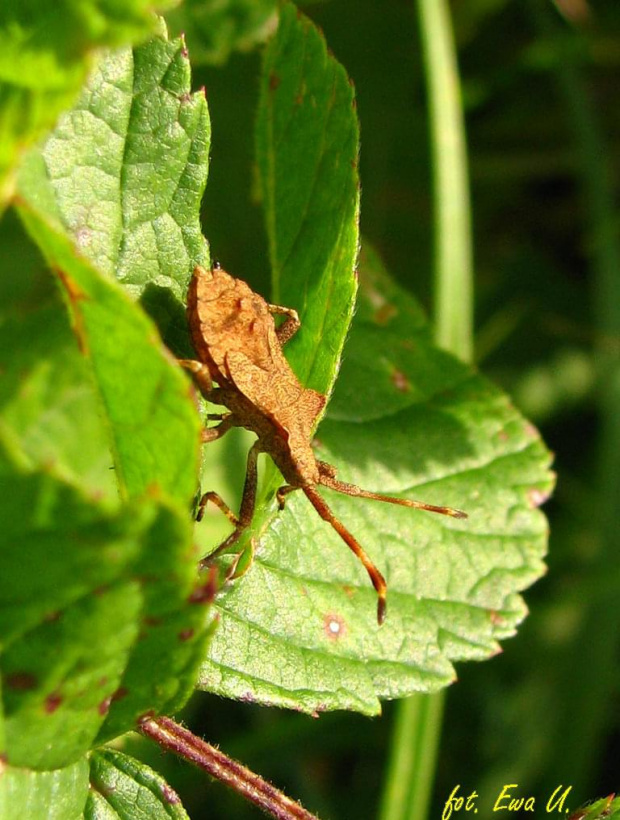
(239, 349)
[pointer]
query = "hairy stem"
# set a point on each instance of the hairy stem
(175, 738)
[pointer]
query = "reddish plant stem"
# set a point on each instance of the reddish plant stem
(175, 738)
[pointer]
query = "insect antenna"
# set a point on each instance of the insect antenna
(378, 581)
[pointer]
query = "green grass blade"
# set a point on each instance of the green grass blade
(418, 720)
(453, 251)
(412, 757)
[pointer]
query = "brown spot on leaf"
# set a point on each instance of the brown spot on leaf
(120, 693)
(537, 497)
(274, 81)
(21, 681)
(530, 430)
(205, 593)
(186, 634)
(334, 626)
(385, 313)
(83, 236)
(496, 618)
(104, 706)
(400, 381)
(52, 702)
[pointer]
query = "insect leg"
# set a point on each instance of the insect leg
(213, 433)
(216, 498)
(283, 492)
(378, 581)
(327, 479)
(289, 326)
(248, 499)
(246, 510)
(202, 379)
(200, 374)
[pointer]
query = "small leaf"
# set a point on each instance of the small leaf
(124, 171)
(306, 146)
(57, 795)
(299, 629)
(122, 788)
(45, 52)
(214, 30)
(153, 423)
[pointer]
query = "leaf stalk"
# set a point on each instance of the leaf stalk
(176, 738)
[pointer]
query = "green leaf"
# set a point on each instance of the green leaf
(153, 423)
(124, 172)
(122, 788)
(45, 52)
(99, 617)
(306, 146)
(97, 620)
(299, 629)
(57, 795)
(214, 30)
